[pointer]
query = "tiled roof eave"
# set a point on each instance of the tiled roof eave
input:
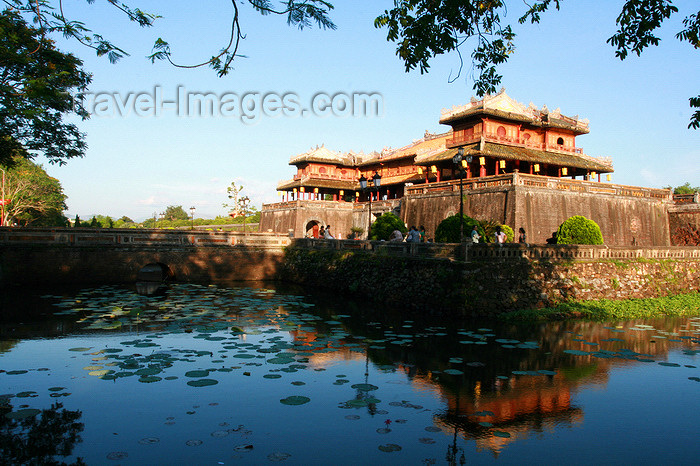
(500, 151)
(318, 183)
(307, 159)
(489, 112)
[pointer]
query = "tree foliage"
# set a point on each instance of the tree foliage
(579, 230)
(36, 82)
(176, 213)
(423, 29)
(684, 189)
(49, 14)
(34, 198)
(489, 227)
(385, 225)
(448, 230)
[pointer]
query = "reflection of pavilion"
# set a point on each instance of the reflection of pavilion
(530, 403)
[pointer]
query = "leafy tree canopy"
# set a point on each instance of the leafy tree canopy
(423, 29)
(684, 189)
(33, 197)
(579, 230)
(36, 82)
(448, 230)
(385, 225)
(50, 15)
(176, 213)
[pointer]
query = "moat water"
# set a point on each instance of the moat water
(250, 375)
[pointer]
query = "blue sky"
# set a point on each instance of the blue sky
(140, 164)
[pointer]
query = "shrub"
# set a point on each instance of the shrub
(579, 230)
(448, 230)
(384, 225)
(490, 226)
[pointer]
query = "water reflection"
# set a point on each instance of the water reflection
(442, 385)
(38, 436)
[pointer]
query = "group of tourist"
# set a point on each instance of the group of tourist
(499, 236)
(414, 235)
(325, 232)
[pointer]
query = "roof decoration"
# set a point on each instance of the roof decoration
(503, 105)
(324, 155)
(429, 143)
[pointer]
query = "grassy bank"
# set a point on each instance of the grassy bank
(682, 305)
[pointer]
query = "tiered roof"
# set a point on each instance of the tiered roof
(503, 106)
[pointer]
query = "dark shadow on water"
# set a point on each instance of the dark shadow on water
(40, 439)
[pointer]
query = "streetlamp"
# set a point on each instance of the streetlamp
(377, 181)
(192, 209)
(244, 203)
(461, 162)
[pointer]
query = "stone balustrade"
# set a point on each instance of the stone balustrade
(507, 252)
(538, 181)
(138, 237)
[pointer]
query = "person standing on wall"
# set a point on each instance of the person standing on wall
(500, 237)
(522, 237)
(475, 235)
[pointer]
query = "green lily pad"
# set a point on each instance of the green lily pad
(197, 373)
(500, 433)
(149, 379)
(295, 400)
(202, 382)
(22, 413)
(364, 387)
(17, 372)
(389, 447)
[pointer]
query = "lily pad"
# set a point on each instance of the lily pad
(295, 400)
(202, 382)
(278, 456)
(23, 413)
(389, 447)
(364, 387)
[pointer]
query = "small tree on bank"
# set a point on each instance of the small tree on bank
(448, 230)
(579, 230)
(384, 225)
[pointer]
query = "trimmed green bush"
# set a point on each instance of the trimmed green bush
(490, 226)
(384, 225)
(579, 230)
(448, 230)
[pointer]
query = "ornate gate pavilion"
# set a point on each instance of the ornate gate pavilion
(522, 167)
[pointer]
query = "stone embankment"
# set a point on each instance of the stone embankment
(486, 279)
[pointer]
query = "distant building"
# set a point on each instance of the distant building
(523, 168)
